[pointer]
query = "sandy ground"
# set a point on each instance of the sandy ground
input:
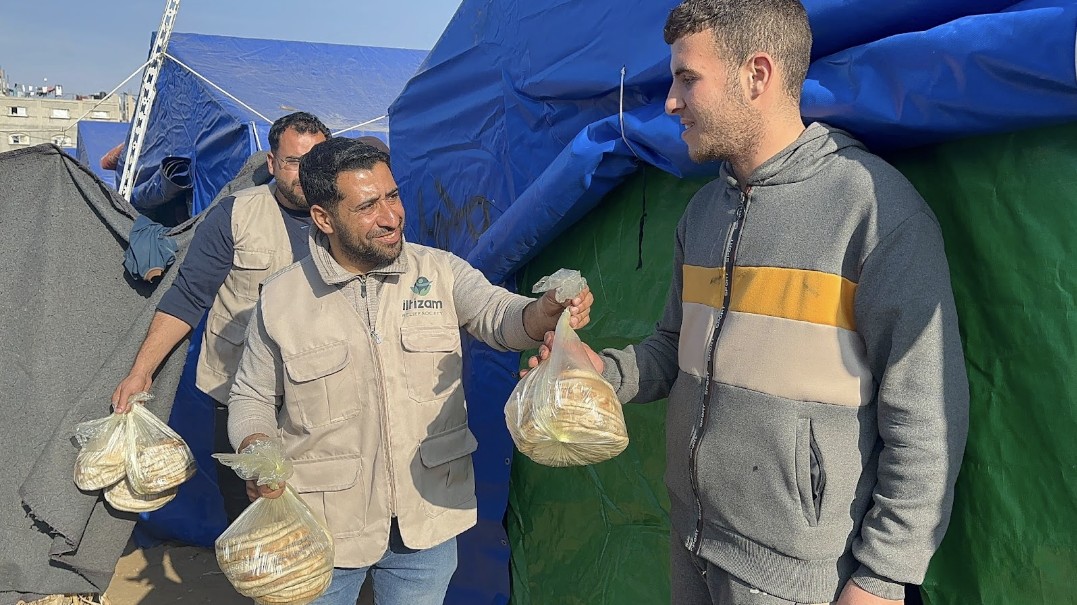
(174, 573)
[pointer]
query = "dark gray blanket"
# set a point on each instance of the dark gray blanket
(72, 322)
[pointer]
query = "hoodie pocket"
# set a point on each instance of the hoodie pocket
(811, 477)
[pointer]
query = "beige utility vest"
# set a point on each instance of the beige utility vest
(261, 248)
(375, 428)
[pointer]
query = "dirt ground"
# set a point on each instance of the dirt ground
(175, 573)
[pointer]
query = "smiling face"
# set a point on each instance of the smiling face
(711, 98)
(366, 227)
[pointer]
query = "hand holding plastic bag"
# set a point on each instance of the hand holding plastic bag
(563, 413)
(276, 552)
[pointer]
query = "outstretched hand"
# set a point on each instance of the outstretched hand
(547, 347)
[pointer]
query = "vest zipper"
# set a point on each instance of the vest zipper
(695, 542)
(374, 340)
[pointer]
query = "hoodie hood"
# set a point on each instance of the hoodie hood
(802, 159)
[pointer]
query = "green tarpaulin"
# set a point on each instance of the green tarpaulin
(1007, 204)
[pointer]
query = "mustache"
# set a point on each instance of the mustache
(381, 232)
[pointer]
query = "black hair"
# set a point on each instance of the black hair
(779, 28)
(320, 167)
(301, 122)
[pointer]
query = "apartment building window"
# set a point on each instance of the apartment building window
(18, 139)
(98, 115)
(62, 141)
(18, 111)
(61, 114)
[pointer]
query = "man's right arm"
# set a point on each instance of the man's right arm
(256, 395)
(164, 334)
(203, 271)
(645, 372)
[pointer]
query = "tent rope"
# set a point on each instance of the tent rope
(108, 96)
(360, 125)
(621, 115)
(221, 90)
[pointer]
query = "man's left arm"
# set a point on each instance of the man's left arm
(502, 319)
(906, 315)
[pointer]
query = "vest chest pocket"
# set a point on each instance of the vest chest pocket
(432, 363)
(321, 386)
(249, 269)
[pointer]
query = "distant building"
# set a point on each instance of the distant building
(31, 115)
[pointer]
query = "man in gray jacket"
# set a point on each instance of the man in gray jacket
(809, 348)
(353, 358)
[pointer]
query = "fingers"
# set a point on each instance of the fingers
(580, 309)
(255, 491)
(121, 399)
(267, 491)
(580, 320)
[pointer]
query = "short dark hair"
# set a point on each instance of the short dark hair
(779, 28)
(320, 167)
(301, 122)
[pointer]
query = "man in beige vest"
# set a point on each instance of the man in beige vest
(353, 359)
(242, 240)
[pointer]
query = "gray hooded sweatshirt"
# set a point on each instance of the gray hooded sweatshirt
(809, 348)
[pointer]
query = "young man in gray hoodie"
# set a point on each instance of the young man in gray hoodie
(809, 348)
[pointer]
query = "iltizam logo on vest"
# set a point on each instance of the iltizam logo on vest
(422, 288)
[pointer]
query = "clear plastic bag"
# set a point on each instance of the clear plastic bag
(563, 413)
(158, 459)
(101, 460)
(122, 497)
(276, 552)
(568, 283)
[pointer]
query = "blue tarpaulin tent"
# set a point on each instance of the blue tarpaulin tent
(526, 114)
(95, 139)
(233, 88)
(216, 99)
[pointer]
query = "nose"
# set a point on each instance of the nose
(388, 216)
(673, 102)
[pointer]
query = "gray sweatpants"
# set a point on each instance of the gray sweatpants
(696, 581)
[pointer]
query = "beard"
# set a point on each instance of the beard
(366, 251)
(293, 193)
(726, 134)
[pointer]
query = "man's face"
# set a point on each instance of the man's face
(711, 101)
(369, 221)
(284, 164)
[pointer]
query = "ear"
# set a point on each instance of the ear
(270, 164)
(322, 219)
(761, 74)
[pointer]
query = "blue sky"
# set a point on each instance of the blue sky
(92, 45)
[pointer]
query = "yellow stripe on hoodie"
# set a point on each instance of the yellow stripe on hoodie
(789, 333)
(797, 294)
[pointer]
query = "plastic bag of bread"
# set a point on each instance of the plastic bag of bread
(563, 413)
(158, 459)
(276, 552)
(102, 452)
(122, 497)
